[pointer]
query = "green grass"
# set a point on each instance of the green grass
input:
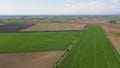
(16, 22)
(35, 41)
(55, 20)
(93, 49)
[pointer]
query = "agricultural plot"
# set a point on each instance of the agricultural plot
(116, 41)
(34, 42)
(55, 27)
(14, 27)
(93, 49)
(29, 60)
(54, 20)
(115, 28)
(17, 22)
(113, 32)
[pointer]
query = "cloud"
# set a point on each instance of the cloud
(94, 7)
(61, 7)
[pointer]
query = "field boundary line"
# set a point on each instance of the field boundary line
(66, 51)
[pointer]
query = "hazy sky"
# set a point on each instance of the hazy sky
(59, 7)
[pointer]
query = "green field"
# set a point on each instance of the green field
(93, 49)
(17, 22)
(35, 41)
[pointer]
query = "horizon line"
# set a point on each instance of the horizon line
(51, 14)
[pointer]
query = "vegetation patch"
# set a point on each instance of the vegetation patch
(35, 41)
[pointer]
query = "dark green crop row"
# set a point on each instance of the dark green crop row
(93, 49)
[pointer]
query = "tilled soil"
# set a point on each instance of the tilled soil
(14, 27)
(55, 27)
(29, 60)
(112, 28)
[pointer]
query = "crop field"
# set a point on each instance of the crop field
(93, 49)
(29, 60)
(113, 32)
(14, 27)
(16, 22)
(59, 41)
(55, 27)
(34, 42)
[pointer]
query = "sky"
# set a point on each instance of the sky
(43, 7)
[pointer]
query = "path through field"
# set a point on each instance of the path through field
(93, 49)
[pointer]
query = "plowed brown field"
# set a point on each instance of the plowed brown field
(29, 60)
(14, 27)
(55, 27)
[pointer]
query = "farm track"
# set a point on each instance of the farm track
(93, 49)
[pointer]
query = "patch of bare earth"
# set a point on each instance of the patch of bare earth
(29, 60)
(55, 27)
(115, 28)
(115, 39)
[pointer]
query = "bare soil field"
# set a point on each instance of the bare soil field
(115, 28)
(112, 28)
(29, 60)
(115, 39)
(55, 27)
(14, 27)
